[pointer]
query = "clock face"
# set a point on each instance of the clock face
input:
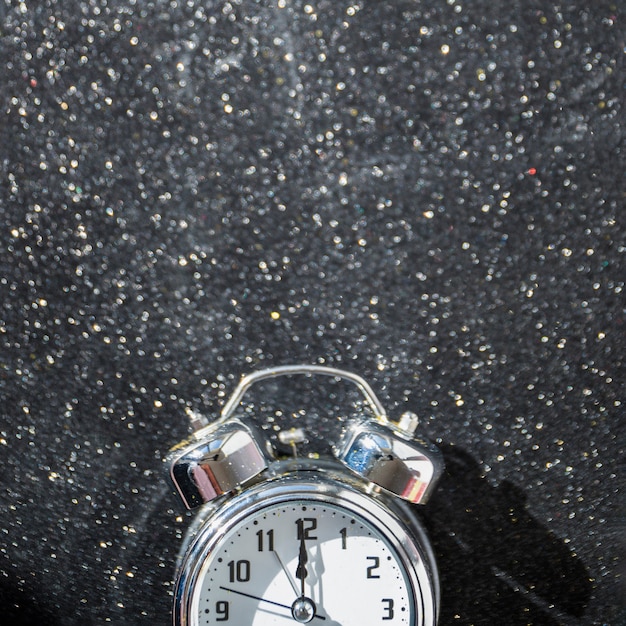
(303, 561)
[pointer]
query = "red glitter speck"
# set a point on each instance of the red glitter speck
(532, 171)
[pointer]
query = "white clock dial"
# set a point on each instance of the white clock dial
(303, 561)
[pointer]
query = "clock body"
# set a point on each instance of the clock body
(307, 544)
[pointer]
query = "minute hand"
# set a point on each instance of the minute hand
(292, 582)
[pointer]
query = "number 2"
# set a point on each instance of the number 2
(375, 565)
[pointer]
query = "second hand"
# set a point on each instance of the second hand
(249, 595)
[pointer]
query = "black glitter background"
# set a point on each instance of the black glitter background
(429, 194)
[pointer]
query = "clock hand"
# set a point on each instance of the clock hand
(303, 558)
(249, 595)
(253, 597)
(292, 582)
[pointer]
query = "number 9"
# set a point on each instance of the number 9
(221, 608)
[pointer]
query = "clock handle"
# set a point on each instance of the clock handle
(307, 370)
(382, 452)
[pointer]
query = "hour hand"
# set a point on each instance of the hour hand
(303, 558)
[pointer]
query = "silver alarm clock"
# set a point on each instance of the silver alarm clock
(305, 539)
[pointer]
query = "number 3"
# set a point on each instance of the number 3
(388, 602)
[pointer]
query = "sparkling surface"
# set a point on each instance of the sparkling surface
(427, 194)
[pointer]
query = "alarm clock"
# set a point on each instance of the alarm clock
(330, 539)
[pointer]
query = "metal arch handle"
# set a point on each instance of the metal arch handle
(289, 370)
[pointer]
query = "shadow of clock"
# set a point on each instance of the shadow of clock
(498, 564)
